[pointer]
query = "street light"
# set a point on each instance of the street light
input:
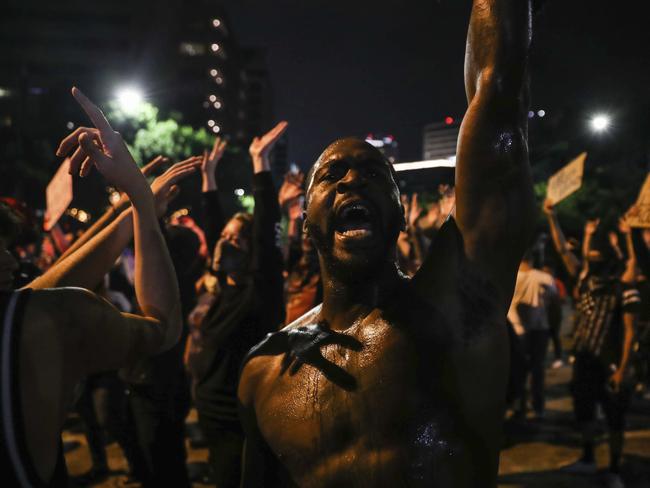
(600, 122)
(130, 99)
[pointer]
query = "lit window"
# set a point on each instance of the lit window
(192, 49)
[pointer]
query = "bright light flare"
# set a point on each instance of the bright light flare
(600, 122)
(130, 99)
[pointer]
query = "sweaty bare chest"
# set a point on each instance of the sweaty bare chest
(372, 394)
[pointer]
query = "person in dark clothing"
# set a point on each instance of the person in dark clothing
(607, 308)
(249, 304)
(159, 388)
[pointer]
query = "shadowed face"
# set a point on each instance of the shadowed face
(231, 251)
(354, 213)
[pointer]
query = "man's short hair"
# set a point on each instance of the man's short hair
(310, 173)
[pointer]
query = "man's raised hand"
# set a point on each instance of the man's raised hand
(261, 147)
(103, 148)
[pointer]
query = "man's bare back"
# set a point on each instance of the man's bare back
(394, 382)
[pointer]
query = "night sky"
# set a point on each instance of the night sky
(350, 68)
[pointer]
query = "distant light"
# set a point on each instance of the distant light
(206, 104)
(130, 99)
(211, 123)
(531, 114)
(212, 98)
(219, 80)
(216, 23)
(69, 126)
(600, 122)
(214, 72)
(216, 129)
(376, 142)
(217, 105)
(240, 192)
(83, 216)
(114, 197)
(449, 120)
(214, 47)
(4, 92)
(436, 163)
(541, 113)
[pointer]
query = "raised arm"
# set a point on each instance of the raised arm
(155, 281)
(494, 195)
(213, 216)
(570, 261)
(267, 255)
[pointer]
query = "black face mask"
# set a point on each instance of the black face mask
(229, 259)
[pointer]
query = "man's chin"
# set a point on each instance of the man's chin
(356, 261)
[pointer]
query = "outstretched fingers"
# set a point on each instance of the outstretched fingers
(91, 152)
(93, 112)
(72, 140)
(274, 134)
(154, 164)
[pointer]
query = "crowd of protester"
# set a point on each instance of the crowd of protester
(145, 315)
(242, 276)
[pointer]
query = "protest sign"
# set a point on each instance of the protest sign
(58, 195)
(639, 216)
(566, 181)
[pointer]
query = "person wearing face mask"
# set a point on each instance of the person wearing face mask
(247, 262)
(607, 306)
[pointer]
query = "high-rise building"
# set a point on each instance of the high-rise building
(182, 55)
(440, 139)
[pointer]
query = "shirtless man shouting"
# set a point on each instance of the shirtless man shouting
(398, 382)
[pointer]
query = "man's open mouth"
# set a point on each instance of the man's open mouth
(354, 221)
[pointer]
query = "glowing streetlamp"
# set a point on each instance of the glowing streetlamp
(600, 122)
(130, 99)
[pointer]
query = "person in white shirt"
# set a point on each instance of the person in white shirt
(528, 316)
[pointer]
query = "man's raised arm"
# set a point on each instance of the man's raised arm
(494, 195)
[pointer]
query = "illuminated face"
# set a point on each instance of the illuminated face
(354, 213)
(7, 267)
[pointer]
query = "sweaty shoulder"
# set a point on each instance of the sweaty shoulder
(276, 347)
